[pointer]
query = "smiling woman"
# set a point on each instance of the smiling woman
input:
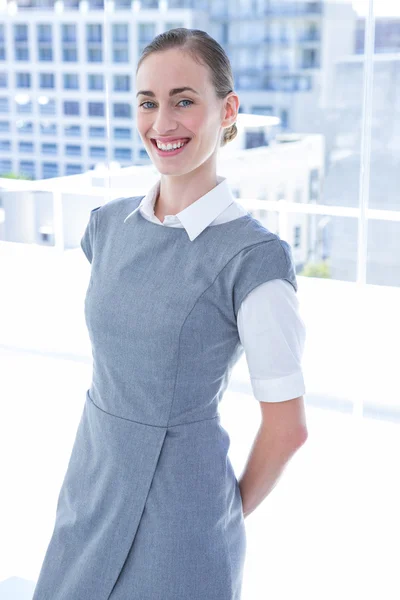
(200, 108)
(196, 111)
(150, 507)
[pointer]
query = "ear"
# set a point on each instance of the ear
(231, 107)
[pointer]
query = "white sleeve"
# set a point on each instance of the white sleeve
(273, 333)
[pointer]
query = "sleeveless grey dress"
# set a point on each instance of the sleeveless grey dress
(150, 507)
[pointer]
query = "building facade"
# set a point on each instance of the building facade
(67, 71)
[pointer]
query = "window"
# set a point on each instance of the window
(94, 33)
(120, 32)
(296, 237)
(73, 169)
(97, 132)
(70, 54)
(24, 126)
(27, 168)
(47, 106)
(21, 40)
(122, 4)
(122, 133)
(96, 109)
(262, 110)
(298, 195)
(49, 169)
(5, 166)
(46, 80)
(280, 194)
(20, 33)
(5, 146)
(47, 128)
(71, 107)
(94, 39)
(25, 146)
(120, 55)
(123, 153)
(4, 105)
(314, 185)
(254, 139)
(23, 80)
(146, 32)
(71, 81)
(143, 153)
(95, 82)
(122, 110)
(44, 41)
(24, 106)
(68, 33)
(122, 83)
(284, 118)
(310, 59)
(96, 4)
(71, 150)
(2, 42)
(172, 25)
(97, 151)
(94, 55)
(21, 53)
(72, 131)
(49, 148)
(120, 43)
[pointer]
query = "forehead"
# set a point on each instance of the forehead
(161, 71)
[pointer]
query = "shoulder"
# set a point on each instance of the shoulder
(262, 234)
(118, 207)
(256, 233)
(260, 241)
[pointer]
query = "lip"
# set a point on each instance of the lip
(170, 153)
(166, 140)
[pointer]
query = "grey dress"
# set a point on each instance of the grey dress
(150, 507)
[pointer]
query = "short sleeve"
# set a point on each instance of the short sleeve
(87, 240)
(260, 263)
(273, 333)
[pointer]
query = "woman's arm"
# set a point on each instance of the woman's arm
(281, 433)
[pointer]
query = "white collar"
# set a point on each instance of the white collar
(198, 215)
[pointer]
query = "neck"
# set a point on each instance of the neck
(178, 192)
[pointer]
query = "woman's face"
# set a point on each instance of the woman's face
(195, 116)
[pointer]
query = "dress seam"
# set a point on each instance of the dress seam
(228, 554)
(194, 305)
(94, 213)
(148, 424)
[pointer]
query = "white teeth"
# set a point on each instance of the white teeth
(170, 146)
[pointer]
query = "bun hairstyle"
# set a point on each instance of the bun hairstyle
(205, 50)
(229, 134)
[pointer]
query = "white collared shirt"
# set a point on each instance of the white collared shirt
(271, 329)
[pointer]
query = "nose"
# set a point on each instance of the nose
(164, 123)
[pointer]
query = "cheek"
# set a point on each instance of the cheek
(198, 123)
(141, 122)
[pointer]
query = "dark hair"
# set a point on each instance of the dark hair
(205, 50)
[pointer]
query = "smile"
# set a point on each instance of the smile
(172, 152)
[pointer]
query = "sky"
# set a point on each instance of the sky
(382, 8)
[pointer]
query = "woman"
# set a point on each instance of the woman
(150, 508)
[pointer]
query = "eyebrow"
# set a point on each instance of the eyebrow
(171, 92)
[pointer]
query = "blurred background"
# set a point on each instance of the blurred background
(316, 160)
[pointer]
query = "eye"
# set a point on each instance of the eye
(149, 102)
(187, 101)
